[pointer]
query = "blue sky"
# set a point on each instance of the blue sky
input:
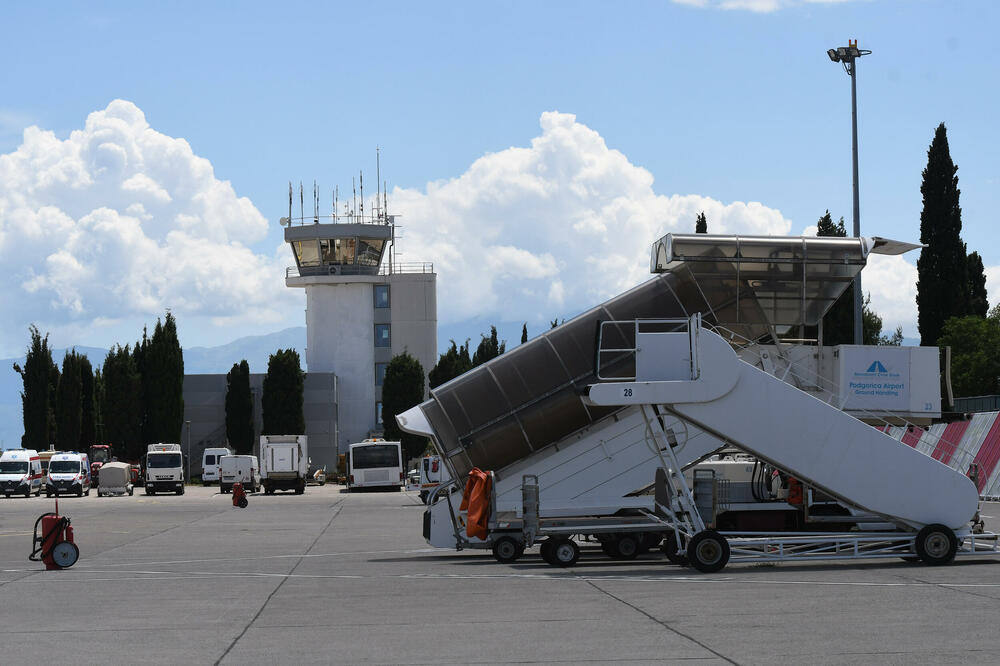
(718, 105)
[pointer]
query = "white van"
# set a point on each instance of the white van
(239, 469)
(20, 472)
(69, 472)
(210, 464)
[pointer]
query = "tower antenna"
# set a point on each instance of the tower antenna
(361, 175)
(354, 186)
(302, 202)
(378, 181)
(291, 193)
(315, 202)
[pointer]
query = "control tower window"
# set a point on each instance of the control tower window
(382, 337)
(343, 250)
(381, 295)
(306, 252)
(370, 251)
(380, 373)
(378, 413)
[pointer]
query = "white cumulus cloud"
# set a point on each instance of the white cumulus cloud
(552, 228)
(120, 221)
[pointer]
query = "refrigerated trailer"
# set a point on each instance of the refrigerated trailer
(654, 379)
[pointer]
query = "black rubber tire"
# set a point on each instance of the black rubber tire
(243, 502)
(608, 547)
(507, 549)
(131, 491)
(79, 492)
(626, 547)
(648, 541)
(27, 493)
(179, 492)
(48, 493)
(565, 553)
(88, 492)
(936, 544)
(546, 551)
(708, 551)
(148, 491)
(38, 493)
(669, 549)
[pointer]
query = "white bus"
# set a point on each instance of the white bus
(375, 463)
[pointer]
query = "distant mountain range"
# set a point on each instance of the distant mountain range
(197, 360)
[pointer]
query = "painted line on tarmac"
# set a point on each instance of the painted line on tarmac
(138, 576)
(252, 559)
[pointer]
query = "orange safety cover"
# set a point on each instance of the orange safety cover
(476, 499)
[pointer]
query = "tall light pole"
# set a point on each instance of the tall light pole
(187, 424)
(848, 56)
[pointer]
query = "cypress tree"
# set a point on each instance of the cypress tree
(122, 400)
(451, 364)
(37, 393)
(163, 381)
(88, 424)
(524, 333)
(402, 389)
(282, 396)
(488, 348)
(701, 224)
(140, 356)
(239, 408)
(976, 273)
(942, 276)
(69, 403)
(838, 322)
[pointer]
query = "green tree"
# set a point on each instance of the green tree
(871, 327)
(163, 383)
(489, 348)
(838, 322)
(99, 437)
(975, 354)
(701, 224)
(524, 333)
(122, 410)
(942, 276)
(38, 392)
(402, 389)
(239, 408)
(282, 396)
(976, 273)
(451, 364)
(88, 422)
(69, 403)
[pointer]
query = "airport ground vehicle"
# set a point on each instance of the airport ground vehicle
(234, 469)
(316, 475)
(588, 436)
(69, 473)
(20, 472)
(210, 460)
(164, 469)
(44, 457)
(375, 464)
(99, 454)
(430, 469)
(284, 463)
(115, 479)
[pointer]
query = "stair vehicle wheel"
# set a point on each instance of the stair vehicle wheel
(507, 549)
(936, 544)
(669, 548)
(626, 547)
(708, 551)
(565, 553)
(546, 551)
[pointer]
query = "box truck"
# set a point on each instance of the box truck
(284, 463)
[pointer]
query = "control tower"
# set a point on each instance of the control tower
(362, 308)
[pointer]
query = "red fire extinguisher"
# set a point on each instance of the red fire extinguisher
(239, 496)
(54, 544)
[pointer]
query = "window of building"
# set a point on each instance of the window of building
(381, 295)
(307, 252)
(380, 373)
(382, 337)
(378, 413)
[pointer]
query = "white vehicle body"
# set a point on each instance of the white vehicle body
(430, 475)
(115, 479)
(68, 473)
(20, 472)
(284, 462)
(375, 463)
(210, 460)
(234, 469)
(164, 469)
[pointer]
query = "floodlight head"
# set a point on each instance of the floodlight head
(833, 55)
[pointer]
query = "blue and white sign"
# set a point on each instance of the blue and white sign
(875, 378)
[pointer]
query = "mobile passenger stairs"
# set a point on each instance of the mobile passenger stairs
(661, 394)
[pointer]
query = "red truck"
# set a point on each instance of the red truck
(98, 454)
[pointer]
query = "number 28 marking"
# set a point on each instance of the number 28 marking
(628, 393)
